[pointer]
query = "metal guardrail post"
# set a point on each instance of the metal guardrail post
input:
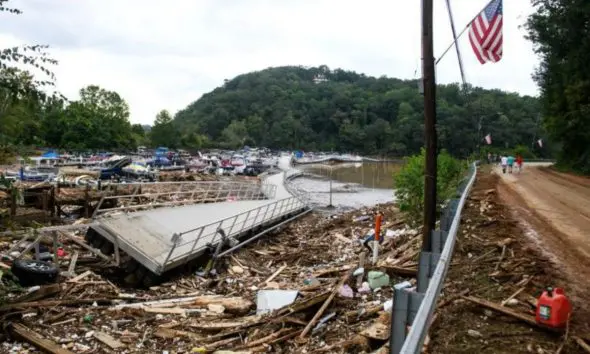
(421, 322)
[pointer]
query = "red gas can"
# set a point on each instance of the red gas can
(553, 308)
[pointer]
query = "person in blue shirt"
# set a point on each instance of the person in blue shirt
(510, 163)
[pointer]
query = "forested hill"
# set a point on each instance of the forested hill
(322, 109)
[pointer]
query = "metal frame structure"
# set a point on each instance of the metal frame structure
(180, 247)
(184, 193)
(415, 308)
(186, 245)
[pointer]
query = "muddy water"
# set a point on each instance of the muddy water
(353, 185)
(370, 175)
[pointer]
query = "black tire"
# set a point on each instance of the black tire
(150, 279)
(130, 265)
(89, 236)
(107, 248)
(32, 272)
(98, 241)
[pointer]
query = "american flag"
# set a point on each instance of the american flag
(485, 33)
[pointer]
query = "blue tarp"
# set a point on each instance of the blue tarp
(298, 154)
(50, 155)
(161, 150)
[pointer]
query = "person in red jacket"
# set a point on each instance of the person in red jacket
(519, 163)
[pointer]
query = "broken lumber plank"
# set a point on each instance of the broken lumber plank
(19, 330)
(166, 310)
(366, 312)
(321, 272)
(300, 306)
(504, 302)
(582, 344)
(530, 320)
(108, 340)
(403, 271)
(359, 278)
(221, 343)
(80, 277)
(266, 339)
(52, 303)
(43, 292)
(320, 312)
(234, 305)
(72, 266)
(274, 275)
(217, 326)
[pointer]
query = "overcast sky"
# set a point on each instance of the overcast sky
(166, 54)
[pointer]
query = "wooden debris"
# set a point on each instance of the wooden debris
(320, 312)
(275, 274)
(108, 340)
(235, 305)
(530, 320)
(504, 302)
(582, 344)
(80, 277)
(359, 278)
(19, 330)
(379, 329)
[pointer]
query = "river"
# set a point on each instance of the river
(353, 185)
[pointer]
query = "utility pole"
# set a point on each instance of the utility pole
(429, 84)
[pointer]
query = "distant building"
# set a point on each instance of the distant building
(320, 78)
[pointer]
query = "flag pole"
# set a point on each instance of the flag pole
(455, 42)
(460, 34)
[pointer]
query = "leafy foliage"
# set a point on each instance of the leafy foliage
(409, 183)
(561, 35)
(322, 109)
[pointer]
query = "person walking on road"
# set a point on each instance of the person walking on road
(510, 163)
(519, 163)
(503, 163)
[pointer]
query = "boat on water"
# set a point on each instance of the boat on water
(29, 174)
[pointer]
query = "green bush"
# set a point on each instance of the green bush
(409, 184)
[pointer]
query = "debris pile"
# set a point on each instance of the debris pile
(497, 275)
(310, 287)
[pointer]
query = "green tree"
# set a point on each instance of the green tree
(284, 107)
(409, 183)
(163, 132)
(561, 36)
(99, 120)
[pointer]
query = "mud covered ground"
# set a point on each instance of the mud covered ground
(491, 222)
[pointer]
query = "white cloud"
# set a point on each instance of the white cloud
(164, 55)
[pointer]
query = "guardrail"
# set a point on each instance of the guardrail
(415, 308)
(233, 227)
(185, 193)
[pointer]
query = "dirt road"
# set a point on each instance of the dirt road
(555, 207)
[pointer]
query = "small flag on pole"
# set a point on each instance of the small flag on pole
(488, 139)
(485, 33)
(540, 142)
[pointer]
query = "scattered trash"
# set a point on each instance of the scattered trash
(346, 291)
(377, 279)
(268, 300)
